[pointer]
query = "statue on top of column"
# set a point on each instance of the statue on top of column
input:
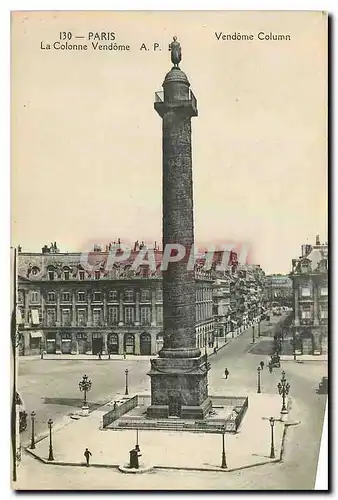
(176, 53)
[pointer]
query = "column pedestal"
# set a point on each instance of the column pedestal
(179, 387)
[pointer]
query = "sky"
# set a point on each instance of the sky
(86, 140)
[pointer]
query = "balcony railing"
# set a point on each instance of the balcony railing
(159, 98)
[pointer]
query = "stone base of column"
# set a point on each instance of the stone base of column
(179, 388)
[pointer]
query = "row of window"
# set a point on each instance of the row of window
(81, 275)
(97, 296)
(307, 312)
(203, 294)
(113, 296)
(97, 316)
(306, 291)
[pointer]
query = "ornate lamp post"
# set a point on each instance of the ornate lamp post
(51, 456)
(259, 380)
(283, 389)
(224, 460)
(85, 385)
(137, 446)
(272, 450)
(253, 334)
(126, 391)
(33, 437)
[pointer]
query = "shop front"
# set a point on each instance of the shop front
(129, 343)
(66, 343)
(97, 343)
(81, 339)
(145, 344)
(51, 343)
(35, 342)
(113, 343)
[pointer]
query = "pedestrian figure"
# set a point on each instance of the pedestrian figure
(115, 405)
(100, 355)
(262, 364)
(215, 350)
(124, 355)
(226, 373)
(87, 454)
(270, 367)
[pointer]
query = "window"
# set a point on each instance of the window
(129, 315)
(97, 275)
(81, 317)
(159, 315)
(112, 295)
(81, 275)
(51, 315)
(66, 320)
(35, 296)
(35, 271)
(305, 291)
(81, 296)
(323, 291)
(50, 297)
(145, 295)
(66, 297)
(51, 275)
(159, 295)
(96, 317)
(97, 296)
(129, 295)
(66, 275)
(20, 297)
(306, 314)
(113, 315)
(145, 316)
(324, 314)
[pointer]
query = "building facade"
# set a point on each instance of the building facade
(309, 277)
(278, 288)
(75, 305)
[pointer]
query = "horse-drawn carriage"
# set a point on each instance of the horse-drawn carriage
(275, 360)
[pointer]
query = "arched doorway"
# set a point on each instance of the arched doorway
(113, 343)
(97, 343)
(159, 341)
(129, 343)
(145, 344)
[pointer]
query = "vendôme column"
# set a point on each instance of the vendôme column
(179, 375)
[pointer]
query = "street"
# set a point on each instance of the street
(57, 394)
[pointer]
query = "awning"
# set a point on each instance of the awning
(19, 318)
(36, 335)
(35, 316)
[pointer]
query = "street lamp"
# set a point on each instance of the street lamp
(85, 385)
(272, 451)
(137, 446)
(33, 438)
(126, 372)
(259, 326)
(224, 460)
(283, 389)
(253, 334)
(259, 380)
(50, 423)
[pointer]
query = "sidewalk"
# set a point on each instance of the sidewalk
(304, 357)
(161, 449)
